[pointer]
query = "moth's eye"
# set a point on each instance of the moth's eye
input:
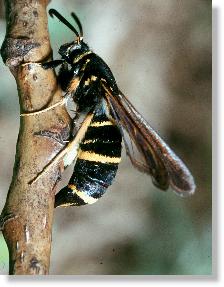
(75, 47)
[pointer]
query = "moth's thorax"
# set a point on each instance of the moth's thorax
(72, 51)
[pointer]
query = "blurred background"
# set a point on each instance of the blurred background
(160, 54)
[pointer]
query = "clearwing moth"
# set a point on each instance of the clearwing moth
(109, 117)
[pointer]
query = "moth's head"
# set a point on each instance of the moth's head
(71, 51)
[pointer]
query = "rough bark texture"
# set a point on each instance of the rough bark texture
(30, 207)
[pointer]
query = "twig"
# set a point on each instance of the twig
(27, 230)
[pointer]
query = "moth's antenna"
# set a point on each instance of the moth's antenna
(53, 12)
(75, 17)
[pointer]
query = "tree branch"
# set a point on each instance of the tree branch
(28, 212)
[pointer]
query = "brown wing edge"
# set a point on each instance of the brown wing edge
(169, 169)
(150, 162)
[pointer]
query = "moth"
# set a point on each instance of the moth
(109, 118)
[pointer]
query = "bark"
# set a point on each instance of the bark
(28, 212)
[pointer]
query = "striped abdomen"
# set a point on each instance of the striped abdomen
(96, 165)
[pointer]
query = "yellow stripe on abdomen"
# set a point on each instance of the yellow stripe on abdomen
(92, 156)
(85, 197)
(101, 124)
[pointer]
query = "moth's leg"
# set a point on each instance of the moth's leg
(52, 64)
(65, 76)
(47, 65)
(70, 85)
(61, 138)
(52, 163)
(69, 150)
(76, 123)
(62, 102)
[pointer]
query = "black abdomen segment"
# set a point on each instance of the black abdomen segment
(96, 165)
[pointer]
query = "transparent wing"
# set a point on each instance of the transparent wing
(154, 155)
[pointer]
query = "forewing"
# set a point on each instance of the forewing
(157, 159)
